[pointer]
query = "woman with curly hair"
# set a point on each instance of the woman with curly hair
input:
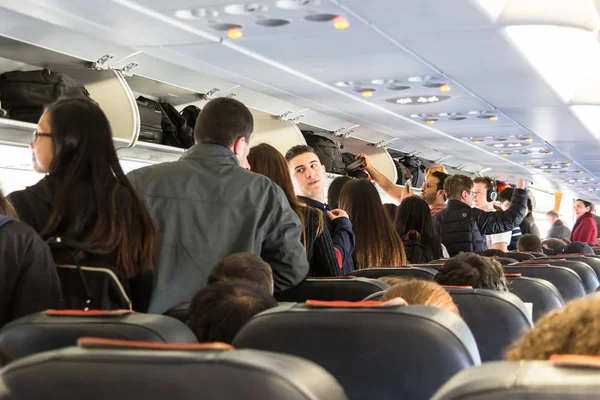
(572, 329)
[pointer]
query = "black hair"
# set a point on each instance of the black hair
(297, 150)
(415, 215)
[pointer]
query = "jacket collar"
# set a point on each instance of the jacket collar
(456, 204)
(314, 203)
(558, 222)
(215, 153)
(586, 215)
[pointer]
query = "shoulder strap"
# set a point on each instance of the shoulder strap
(4, 220)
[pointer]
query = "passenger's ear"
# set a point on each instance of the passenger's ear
(239, 145)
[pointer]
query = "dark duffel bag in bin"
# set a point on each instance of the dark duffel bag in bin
(329, 152)
(151, 123)
(24, 94)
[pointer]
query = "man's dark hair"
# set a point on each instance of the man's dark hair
(493, 253)
(470, 269)
(456, 184)
(245, 267)
(218, 312)
(554, 244)
(486, 180)
(298, 150)
(506, 194)
(441, 177)
(529, 242)
(222, 121)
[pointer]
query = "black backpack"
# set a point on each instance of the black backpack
(416, 251)
(24, 94)
(185, 133)
(169, 131)
(329, 152)
(191, 113)
(416, 168)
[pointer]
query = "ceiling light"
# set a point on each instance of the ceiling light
(431, 121)
(367, 92)
(378, 81)
(445, 88)
(580, 172)
(475, 112)
(505, 154)
(235, 33)
(422, 100)
(294, 4)
(589, 117)
(241, 9)
(529, 140)
(493, 118)
(591, 179)
(568, 164)
(529, 165)
(498, 145)
(344, 84)
(476, 141)
(340, 23)
(433, 99)
(415, 79)
(562, 55)
(184, 14)
(549, 153)
(404, 100)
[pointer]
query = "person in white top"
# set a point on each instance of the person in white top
(485, 195)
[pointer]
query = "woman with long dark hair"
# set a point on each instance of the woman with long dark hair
(415, 226)
(377, 242)
(86, 197)
(585, 229)
(266, 160)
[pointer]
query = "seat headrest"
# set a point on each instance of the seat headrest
(495, 318)
(133, 372)
(568, 378)
(101, 343)
(568, 283)
(332, 289)
(520, 256)
(420, 272)
(394, 349)
(55, 329)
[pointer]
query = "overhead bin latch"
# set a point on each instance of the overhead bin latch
(344, 133)
(209, 95)
(126, 70)
(287, 116)
(102, 63)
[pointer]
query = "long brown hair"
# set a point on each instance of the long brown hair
(6, 208)
(377, 242)
(266, 160)
(94, 201)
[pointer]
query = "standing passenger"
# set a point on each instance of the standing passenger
(207, 207)
(585, 229)
(266, 160)
(86, 196)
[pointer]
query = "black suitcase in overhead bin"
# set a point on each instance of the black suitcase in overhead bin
(151, 122)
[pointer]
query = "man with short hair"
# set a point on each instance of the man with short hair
(207, 207)
(461, 227)
(529, 243)
(483, 187)
(432, 190)
(308, 177)
(558, 229)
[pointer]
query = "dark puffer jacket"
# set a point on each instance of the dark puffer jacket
(462, 228)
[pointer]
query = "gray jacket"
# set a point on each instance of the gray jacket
(207, 207)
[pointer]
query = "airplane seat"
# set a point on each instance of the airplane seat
(348, 288)
(54, 329)
(425, 273)
(563, 377)
(375, 351)
(586, 273)
(543, 295)
(179, 312)
(538, 255)
(520, 256)
(100, 369)
(495, 318)
(435, 266)
(566, 280)
(505, 260)
(593, 262)
(375, 296)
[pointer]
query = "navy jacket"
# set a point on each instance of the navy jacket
(341, 234)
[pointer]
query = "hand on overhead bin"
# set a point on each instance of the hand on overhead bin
(521, 184)
(337, 213)
(366, 157)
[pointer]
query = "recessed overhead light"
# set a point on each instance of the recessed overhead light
(344, 84)
(431, 121)
(320, 17)
(340, 23)
(549, 153)
(433, 99)
(366, 92)
(580, 172)
(378, 81)
(416, 79)
(493, 118)
(235, 33)
(529, 140)
(241, 9)
(475, 112)
(295, 4)
(404, 100)
(568, 164)
(422, 100)
(477, 141)
(418, 100)
(505, 154)
(184, 14)
(445, 88)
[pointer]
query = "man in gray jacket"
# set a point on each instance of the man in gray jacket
(207, 207)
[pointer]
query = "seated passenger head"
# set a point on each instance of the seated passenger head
(390, 210)
(417, 291)
(377, 242)
(581, 207)
(433, 188)
(493, 253)
(529, 243)
(554, 244)
(460, 187)
(572, 329)
(579, 248)
(308, 174)
(469, 269)
(415, 215)
(552, 217)
(333, 193)
(245, 267)
(218, 312)
(226, 122)
(5, 207)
